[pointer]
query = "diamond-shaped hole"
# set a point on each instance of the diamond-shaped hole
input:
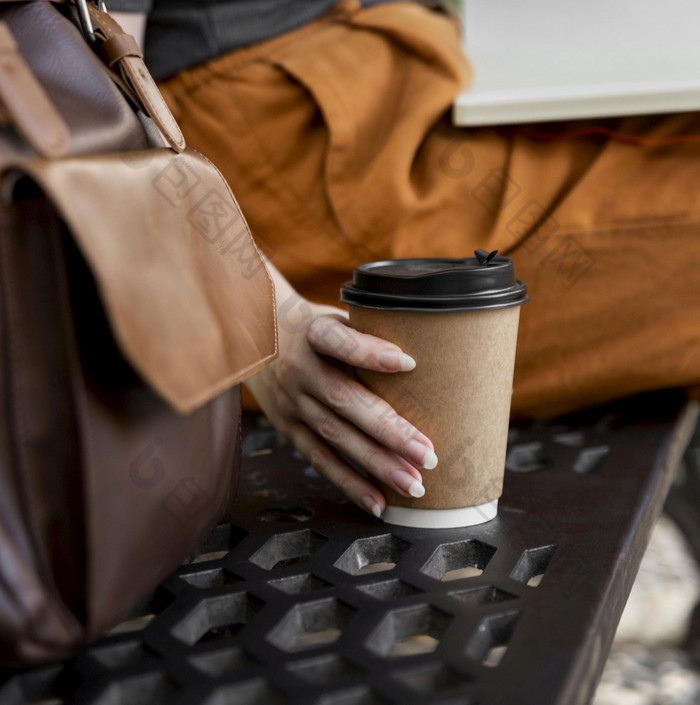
(216, 618)
(413, 645)
(388, 590)
(532, 565)
(142, 689)
(469, 571)
(211, 556)
(407, 631)
(372, 554)
(482, 595)
(214, 577)
(219, 542)
(323, 637)
(260, 451)
(461, 559)
(299, 584)
(311, 624)
(376, 568)
(122, 654)
(285, 514)
(489, 643)
(254, 692)
(526, 457)
(590, 459)
(494, 656)
(288, 549)
(357, 695)
(141, 615)
(572, 439)
(133, 624)
(434, 678)
(222, 661)
(323, 669)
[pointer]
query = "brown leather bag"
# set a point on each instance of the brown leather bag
(132, 303)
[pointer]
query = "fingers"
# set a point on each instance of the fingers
(359, 490)
(333, 420)
(328, 335)
(364, 410)
(389, 468)
(327, 463)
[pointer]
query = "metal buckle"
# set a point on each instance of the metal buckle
(84, 17)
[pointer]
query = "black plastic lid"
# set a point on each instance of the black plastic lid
(477, 283)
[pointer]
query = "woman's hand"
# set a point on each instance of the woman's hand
(311, 396)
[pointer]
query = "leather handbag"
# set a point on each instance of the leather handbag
(133, 301)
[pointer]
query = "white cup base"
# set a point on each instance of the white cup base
(441, 518)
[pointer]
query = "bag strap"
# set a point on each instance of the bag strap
(122, 55)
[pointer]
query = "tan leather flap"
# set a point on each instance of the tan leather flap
(189, 298)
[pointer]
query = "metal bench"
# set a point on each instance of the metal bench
(303, 599)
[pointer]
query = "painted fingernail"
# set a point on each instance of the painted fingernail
(396, 360)
(371, 506)
(407, 483)
(421, 455)
(416, 489)
(407, 363)
(430, 460)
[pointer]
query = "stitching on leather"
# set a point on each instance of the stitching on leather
(255, 244)
(261, 363)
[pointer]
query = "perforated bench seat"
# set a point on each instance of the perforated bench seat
(303, 599)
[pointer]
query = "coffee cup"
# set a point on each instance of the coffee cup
(458, 318)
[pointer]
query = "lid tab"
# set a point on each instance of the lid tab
(485, 257)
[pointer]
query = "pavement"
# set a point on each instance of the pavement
(647, 664)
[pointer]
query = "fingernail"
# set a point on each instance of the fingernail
(407, 483)
(416, 489)
(407, 363)
(396, 360)
(421, 455)
(430, 460)
(371, 506)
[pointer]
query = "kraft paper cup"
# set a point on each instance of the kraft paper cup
(459, 320)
